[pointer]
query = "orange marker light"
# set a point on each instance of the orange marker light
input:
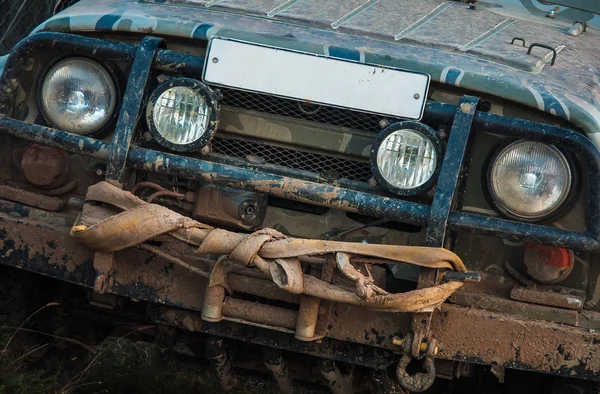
(547, 264)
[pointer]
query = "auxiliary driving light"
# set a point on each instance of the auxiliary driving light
(182, 114)
(406, 158)
(78, 95)
(529, 180)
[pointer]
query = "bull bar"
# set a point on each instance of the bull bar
(292, 184)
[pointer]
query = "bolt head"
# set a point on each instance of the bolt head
(383, 123)
(417, 96)
(255, 159)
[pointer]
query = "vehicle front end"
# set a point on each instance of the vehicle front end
(299, 178)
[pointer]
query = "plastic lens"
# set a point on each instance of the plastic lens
(78, 95)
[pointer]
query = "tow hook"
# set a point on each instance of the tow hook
(419, 381)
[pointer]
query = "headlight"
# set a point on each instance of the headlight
(182, 114)
(78, 95)
(529, 180)
(406, 158)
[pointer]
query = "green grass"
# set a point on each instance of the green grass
(17, 378)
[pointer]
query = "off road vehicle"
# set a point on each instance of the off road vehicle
(364, 195)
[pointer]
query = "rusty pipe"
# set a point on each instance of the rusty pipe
(212, 310)
(260, 287)
(259, 313)
(46, 203)
(307, 318)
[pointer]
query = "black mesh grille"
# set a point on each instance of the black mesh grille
(349, 169)
(291, 108)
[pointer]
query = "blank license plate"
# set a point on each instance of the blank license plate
(315, 79)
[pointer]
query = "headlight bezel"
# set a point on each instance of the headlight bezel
(414, 126)
(560, 208)
(210, 98)
(115, 76)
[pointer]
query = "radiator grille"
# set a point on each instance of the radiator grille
(291, 108)
(349, 169)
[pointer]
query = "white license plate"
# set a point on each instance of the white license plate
(316, 79)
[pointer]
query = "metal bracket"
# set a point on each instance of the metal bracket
(451, 175)
(131, 108)
(452, 172)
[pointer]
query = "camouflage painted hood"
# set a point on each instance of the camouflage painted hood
(456, 45)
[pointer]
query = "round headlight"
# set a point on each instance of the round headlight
(182, 114)
(78, 95)
(529, 180)
(406, 157)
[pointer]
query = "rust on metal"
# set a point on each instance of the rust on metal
(25, 242)
(417, 382)
(256, 312)
(46, 203)
(156, 279)
(44, 166)
(64, 189)
(546, 297)
(307, 318)
(213, 304)
(510, 341)
(517, 308)
(267, 250)
(104, 266)
(260, 287)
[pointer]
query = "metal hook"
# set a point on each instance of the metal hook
(518, 39)
(418, 382)
(582, 23)
(545, 47)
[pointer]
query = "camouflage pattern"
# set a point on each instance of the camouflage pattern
(474, 52)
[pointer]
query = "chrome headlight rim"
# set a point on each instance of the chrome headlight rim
(427, 132)
(211, 100)
(115, 76)
(560, 208)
